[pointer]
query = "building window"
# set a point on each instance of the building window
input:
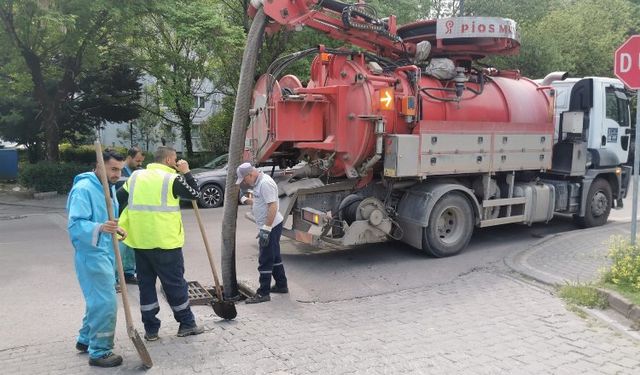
(198, 101)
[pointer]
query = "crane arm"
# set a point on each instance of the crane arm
(354, 23)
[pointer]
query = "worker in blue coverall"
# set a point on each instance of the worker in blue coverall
(133, 162)
(90, 231)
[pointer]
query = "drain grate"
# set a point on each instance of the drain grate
(198, 295)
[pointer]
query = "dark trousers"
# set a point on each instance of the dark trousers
(168, 266)
(270, 263)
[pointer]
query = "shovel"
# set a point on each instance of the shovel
(131, 331)
(224, 309)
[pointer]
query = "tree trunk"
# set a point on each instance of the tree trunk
(185, 125)
(52, 135)
(48, 105)
(236, 148)
(186, 136)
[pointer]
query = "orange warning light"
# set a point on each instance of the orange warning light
(387, 99)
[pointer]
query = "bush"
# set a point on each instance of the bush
(625, 267)
(84, 154)
(48, 176)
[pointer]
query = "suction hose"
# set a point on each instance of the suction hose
(236, 149)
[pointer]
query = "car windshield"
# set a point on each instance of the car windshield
(218, 162)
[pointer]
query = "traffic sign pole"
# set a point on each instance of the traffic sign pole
(636, 165)
(626, 66)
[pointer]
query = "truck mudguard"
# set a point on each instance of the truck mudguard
(416, 204)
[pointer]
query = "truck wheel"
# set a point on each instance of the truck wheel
(598, 204)
(450, 226)
(211, 196)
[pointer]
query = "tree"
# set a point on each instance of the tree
(56, 42)
(182, 44)
(107, 94)
(216, 130)
(585, 48)
(150, 127)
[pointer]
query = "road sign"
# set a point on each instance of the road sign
(627, 62)
(627, 69)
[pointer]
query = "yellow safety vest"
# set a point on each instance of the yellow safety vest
(152, 217)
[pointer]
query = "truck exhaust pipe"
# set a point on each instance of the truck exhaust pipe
(554, 76)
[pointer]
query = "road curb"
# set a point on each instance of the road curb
(45, 195)
(518, 262)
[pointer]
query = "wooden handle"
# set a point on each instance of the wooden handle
(101, 171)
(206, 246)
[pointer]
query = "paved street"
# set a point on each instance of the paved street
(379, 309)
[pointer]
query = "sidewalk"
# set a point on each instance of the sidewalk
(24, 199)
(576, 257)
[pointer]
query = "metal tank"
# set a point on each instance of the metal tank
(353, 103)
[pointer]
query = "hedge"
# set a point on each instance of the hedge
(84, 154)
(50, 176)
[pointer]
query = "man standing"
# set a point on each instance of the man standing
(133, 162)
(151, 215)
(90, 232)
(265, 206)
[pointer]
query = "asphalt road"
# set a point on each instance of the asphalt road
(40, 292)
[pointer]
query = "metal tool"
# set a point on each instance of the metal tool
(222, 308)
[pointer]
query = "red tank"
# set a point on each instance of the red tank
(333, 119)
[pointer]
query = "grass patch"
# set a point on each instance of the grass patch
(630, 294)
(583, 295)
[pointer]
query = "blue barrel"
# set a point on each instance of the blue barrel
(8, 163)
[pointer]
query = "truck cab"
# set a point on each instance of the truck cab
(606, 120)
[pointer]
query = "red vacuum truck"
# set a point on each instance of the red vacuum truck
(408, 137)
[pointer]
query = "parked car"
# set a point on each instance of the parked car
(217, 163)
(212, 184)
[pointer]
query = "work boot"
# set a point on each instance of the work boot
(151, 336)
(107, 360)
(258, 298)
(279, 289)
(131, 279)
(189, 329)
(82, 348)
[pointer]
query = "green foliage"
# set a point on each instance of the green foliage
(83, 154)
(631, 295)
(183, 43)
(48, 176)
(216, 130)
(558, 35)
(406, 11)
(68, 56)
(584, 48)
(523, 12)
(625, 267)
(583, 295)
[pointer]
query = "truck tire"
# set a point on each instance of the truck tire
(450, 226)
(598, 204)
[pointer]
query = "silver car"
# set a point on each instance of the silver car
(212, 182)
